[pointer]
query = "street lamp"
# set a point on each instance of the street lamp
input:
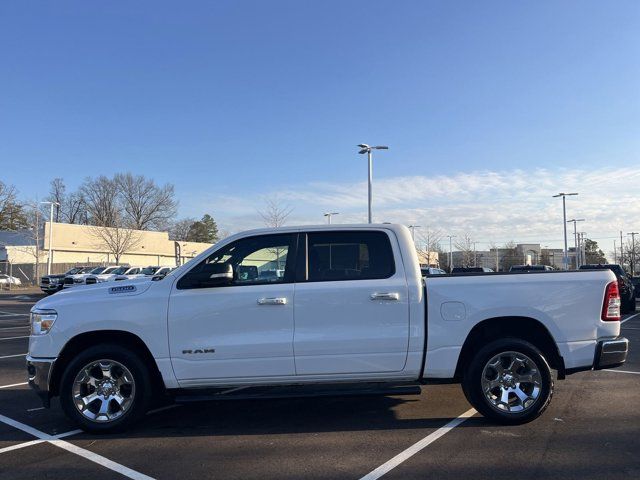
(633, 252)
(329, 215)
(50, 234)
(364, 148)
(413, 231)
(575, 237)
(565, 258)
(450, 253)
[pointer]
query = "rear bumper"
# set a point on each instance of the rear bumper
(39, 371)
(611, 352)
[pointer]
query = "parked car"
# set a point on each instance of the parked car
(131, 272)
(108, 274)
(80, 278)
(359, 315)
(429, 271)
(627, 291)
(9, 280)
(152, 271)
(531, 268)
(51, 284)
(457, 270)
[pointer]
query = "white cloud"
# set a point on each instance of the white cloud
(490, 205)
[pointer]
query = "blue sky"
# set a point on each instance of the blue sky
(234, 100)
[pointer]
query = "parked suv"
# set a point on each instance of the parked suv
(627, 290)
(51, 284)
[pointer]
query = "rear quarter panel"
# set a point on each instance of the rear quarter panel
(568, 304)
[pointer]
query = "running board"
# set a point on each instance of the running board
(295, 391)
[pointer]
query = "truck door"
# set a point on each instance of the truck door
(351, 304)
(243, 329)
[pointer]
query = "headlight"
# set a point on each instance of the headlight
(42, 321)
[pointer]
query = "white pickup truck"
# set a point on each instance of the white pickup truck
(337, 304)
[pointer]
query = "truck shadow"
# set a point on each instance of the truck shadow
(251, 417)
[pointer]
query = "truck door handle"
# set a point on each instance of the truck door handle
(385, 296)
(272, 301)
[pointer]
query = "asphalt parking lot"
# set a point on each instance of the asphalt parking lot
(591, 429)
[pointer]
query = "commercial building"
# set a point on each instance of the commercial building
(89, 245)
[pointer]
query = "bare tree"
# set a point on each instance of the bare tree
(101, 198)
(33, 232)
(57, 195)
(430, 238)
(146, 204)
(116, 239)
(509, 256)
(71, 208)
(275, 212)
(180, 230)
(466, 246)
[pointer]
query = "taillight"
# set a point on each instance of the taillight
(611, 306)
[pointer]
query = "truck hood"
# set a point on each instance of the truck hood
(86, 293)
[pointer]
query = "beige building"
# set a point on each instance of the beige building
(428, 259)
(79, 244)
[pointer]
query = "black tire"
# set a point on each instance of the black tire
(140, 399)
(472, 383)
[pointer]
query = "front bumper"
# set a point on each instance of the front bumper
(611, 352)
(39, 371)
(50, 287)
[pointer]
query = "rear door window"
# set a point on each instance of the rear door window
(358, 255)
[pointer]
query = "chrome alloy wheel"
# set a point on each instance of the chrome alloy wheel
(103, 390)
(511, 382)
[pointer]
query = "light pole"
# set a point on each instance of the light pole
(581, 246)
(51, 204)
(329, 215)
(633, 252)
(364, 148)
(413, 232)
(450, 253)
(575, 238)
(565, 258)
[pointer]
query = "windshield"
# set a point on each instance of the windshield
(73, 271)
(149, 270)
(97, 271)
(118, 271)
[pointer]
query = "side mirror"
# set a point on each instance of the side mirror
(213, 275)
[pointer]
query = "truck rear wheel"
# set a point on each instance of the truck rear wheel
(105, 389)
(509, 381)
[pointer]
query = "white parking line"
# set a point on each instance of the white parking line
(13, 356)
(416, 447)
(13, 385)
(621, 371)
(35, 442)
(14, 338)
(70, 447)
(631, 317)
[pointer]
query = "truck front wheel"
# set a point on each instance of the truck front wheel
(509, 381)
(106, 388)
